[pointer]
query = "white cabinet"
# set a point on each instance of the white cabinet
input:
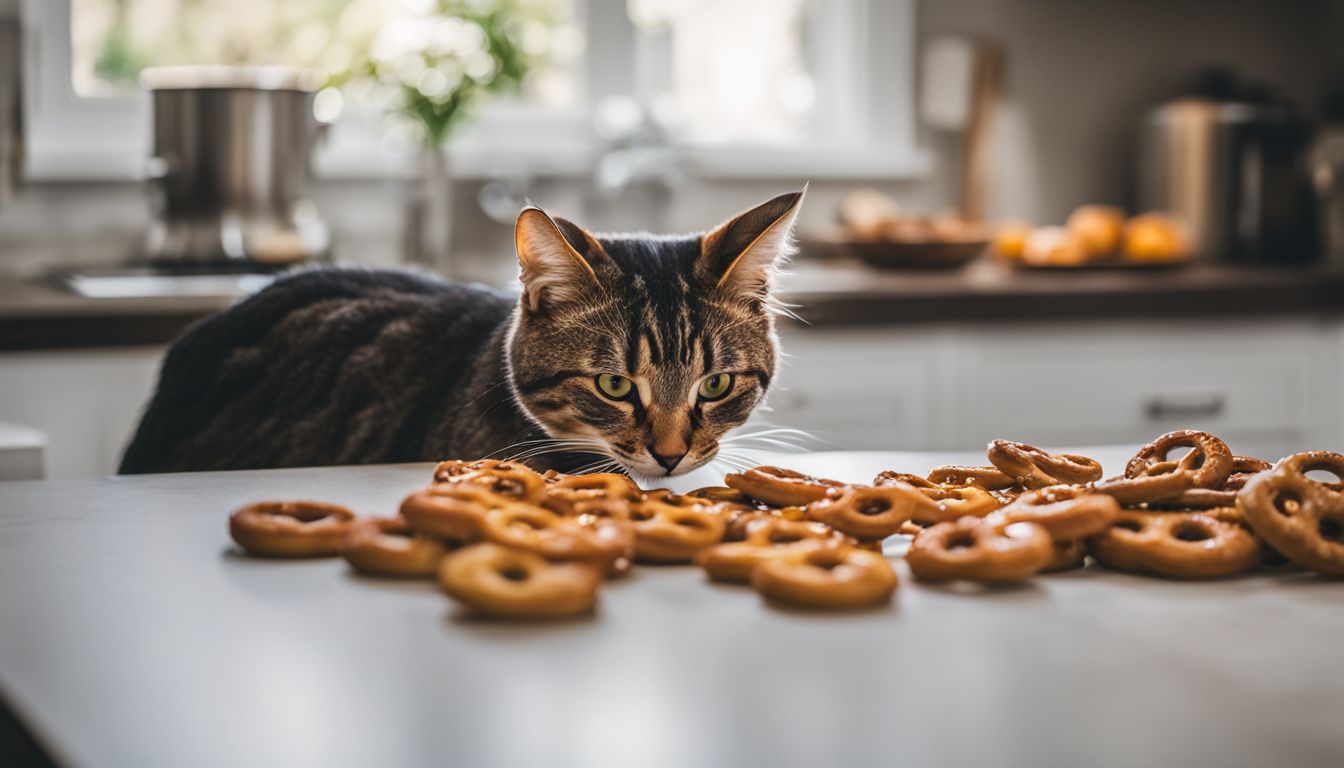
(1267, 387)
(867, 389)
(86, 402)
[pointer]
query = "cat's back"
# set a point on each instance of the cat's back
(323, 366)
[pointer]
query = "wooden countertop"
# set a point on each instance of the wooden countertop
(133, 634)
(39, 315)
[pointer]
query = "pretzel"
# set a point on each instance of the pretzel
(890, 477)
(290, 528)
(1150, 477)
(538, 530)
(1301, 518)
(514, 584)
(721, 493)
(870, 513)
(1031, 467)
(1066, 511)
(506, 478)
(1070, 554)
(564, 494)
(773, 537)
(674, 532)
(1243, 469)
(989, 549)
(389, 547)
(989, 478)
(451, 511)
(783, 487)
(1182, 545)
(953, 501)
(827, 577)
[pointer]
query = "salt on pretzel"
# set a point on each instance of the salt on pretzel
(1298, 516)
(1031, 467)
(505, 478)
(988, 478)
(1067, 512)
(1150, 477)
(1182, 545)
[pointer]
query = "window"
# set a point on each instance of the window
(738, 87)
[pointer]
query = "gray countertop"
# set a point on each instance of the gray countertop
(40, 315)
(133, 634)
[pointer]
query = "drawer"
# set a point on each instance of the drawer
(1072, 389)
(856, 389)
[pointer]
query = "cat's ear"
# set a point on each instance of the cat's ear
(742, 253)
(556, 259)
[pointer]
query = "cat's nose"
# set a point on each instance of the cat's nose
(667, 461)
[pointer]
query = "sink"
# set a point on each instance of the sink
(152, 282)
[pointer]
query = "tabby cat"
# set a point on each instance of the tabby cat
(635, 351)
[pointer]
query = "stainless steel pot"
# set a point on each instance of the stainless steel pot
(231, 166)
(1235, 172)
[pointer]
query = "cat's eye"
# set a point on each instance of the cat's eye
(613, 386)
(715, 386)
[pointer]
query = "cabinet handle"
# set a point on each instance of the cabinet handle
(1185, 407)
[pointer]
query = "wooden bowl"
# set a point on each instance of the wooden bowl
(891, 254)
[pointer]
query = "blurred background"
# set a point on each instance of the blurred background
(1060, 222)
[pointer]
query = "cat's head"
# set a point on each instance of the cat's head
(646, 347)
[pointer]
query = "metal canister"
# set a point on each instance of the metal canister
(232, 166)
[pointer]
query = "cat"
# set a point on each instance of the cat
(633, 353)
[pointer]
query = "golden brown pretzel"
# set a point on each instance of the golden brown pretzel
(721, 493)
(828, 577)
(1069, 555)
(389, 547)
(290, 528)
(1151, 478)
(1031, 467)
(1182, 545)
(989, 478)
(451, 511)
(1209, 461)
(1301, 518)
(1243, 469)
(510, 583)
(783, 487)
(538, 530)
(565, 494)
(990, 549)
(870, 513)
(952, 501)
(505, 478)
(773, 537)
(674, 533)
(1067, 512)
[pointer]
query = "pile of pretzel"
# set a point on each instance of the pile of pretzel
(506, 541)
(1208, 514)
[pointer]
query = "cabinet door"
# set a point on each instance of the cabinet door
(1256, 385)
(856, 389)
(86, 402)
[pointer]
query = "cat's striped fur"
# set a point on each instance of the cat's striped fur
(342, 366)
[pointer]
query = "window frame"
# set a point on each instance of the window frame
(873, 135)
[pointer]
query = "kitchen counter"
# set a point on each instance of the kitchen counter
(40, 315)
(132, 633)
